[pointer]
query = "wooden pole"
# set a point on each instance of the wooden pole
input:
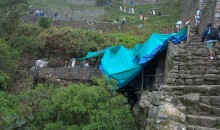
(188, 33)
(142, 82)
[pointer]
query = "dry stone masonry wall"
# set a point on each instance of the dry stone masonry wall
(188, 64)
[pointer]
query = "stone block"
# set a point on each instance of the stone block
(155, 98)
(215, 100)
(205, 100)
(211, 71)
(173, 75)
(215, 90)
(180, 81)
(216, 111)
(153, 110)
(208, 121)
(192, 97)
(188, 81)
(198, 81)
(189, 89)
(193, 120)
(211, 77)
(170, 80)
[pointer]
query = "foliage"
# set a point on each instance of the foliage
(127, 40)
(3, 80)
(14, 114)
(10, 11)
(27, 45)
(28, 30)
(8, 56)
(44, 22)
(85, 107)
(78, 106)
(8, 63)
(74, 42)
(100, 2)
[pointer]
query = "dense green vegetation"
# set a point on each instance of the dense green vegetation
(72, 106)
(78, 106)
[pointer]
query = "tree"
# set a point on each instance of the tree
(10, 12)
(77, 107)
(8, 62)
(44, 22)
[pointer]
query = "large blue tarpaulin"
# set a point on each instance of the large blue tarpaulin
(125, 64)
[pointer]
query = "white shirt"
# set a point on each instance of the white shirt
(179, 24)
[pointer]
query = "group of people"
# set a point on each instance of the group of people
(179, 23)
(123, 21)
(131, 10)
(210, 33)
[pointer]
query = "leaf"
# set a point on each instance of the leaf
(30, 116)
(20, 122)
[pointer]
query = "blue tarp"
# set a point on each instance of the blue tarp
(125, 64)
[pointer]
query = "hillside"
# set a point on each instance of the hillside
(29, 100)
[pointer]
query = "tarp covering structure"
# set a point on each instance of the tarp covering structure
(125, 64)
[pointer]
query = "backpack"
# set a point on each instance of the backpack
(213, 33)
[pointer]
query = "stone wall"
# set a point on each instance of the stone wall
(68, 73)
(188, 64)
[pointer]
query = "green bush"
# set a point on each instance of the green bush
(27, 45)
(44, 22)
(78, 106)
(28, 30)
(3, 80)
(74, 42)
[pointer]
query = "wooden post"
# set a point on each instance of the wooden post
(172, 29)
(142, 82)
(188, 34)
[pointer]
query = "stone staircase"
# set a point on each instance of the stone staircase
(190, 100)
(200, 104)
(189, 64)
(198, 93)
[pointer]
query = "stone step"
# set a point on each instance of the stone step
(204, 90)
(192, 127)
(181, 108)
(204, 121)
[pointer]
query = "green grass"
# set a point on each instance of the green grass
(170, 14)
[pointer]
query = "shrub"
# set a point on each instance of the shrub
(3, 80)
(44, 22)
(78, 106)
(27, 45)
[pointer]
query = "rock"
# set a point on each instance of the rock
(188, 81)
(193, 119)
(180, 81)
(215, 100)
(216, 111)
(205, 100)
(144, 101)
(154, 98)
(212, 71)
(170, 80)
(211, 77)
(208, 121)
(153, 110)
(171, 112)
(198, 81)
(173, 75)
(192, 97)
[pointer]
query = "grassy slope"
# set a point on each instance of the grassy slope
(128, 34)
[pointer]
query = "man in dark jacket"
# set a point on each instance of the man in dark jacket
(211, 35)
